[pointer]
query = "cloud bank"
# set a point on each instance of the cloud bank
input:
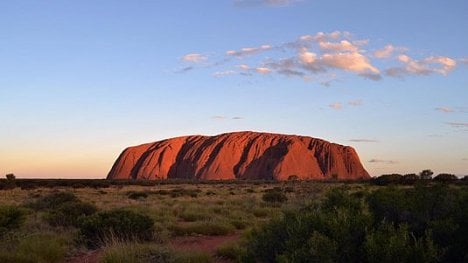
(324, 57)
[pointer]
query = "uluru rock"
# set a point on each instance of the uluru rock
(239, 155)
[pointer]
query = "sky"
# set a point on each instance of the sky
(82, 80)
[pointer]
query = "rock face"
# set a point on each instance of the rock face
(239, 155)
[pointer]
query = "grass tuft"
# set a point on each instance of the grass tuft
(202, 228)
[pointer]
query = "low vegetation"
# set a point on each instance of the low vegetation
(131, 252)
(117, 224)
(398, 218)
(274, 196)
(421, 224)
(11, 218)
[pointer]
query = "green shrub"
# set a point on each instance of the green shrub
(63, 208)
(440, 209)
(274, 197)
(445, 178)
(179, 192)
(239, 223)
(132, 252)
(340, 198)
(396, 244)
(410, 179)
(420, 224)
(137, 195)
(48, 248)
(260, 212)
(191, 215)
(70, 213)
(119, 224)
(53, 200)
(11, 217)
(388, 179)
(230, 250)
(333, 233)
(202, 228)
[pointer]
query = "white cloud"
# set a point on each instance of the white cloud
(336, 106)
(413, 66)
(458, 124)
(310, 61)
(287, 67)
(307, 57)
(194, 58)
(348, 61)
(248, 51)
(355, 103)
(343, 45)
(444, 109)
(262, 70)
(314, 56)
(363, 140)
(446, 64)
(222, 117)
(382, 161)
(434, 64)
(243, 67)
(223, 73)
(388, 51)
(321, 36)
(354, 62)
(279, 2)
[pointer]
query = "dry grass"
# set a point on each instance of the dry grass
(183, 209)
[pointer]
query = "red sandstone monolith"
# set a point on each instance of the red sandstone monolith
(240, 155)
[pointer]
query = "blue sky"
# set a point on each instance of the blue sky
(81, 80)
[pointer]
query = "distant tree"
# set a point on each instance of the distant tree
(10, 177)
(387, 179)
(426, 174)
(11, 182)
(409, 179)
(444, 177)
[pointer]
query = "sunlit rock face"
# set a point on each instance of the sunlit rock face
(239, 155)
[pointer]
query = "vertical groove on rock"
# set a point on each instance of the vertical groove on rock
(244, 155)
